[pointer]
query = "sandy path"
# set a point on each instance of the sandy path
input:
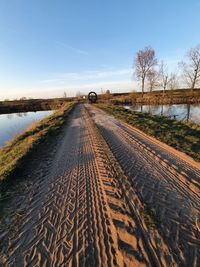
(88, 211)
(163, 178)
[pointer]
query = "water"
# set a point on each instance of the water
(183, 112)
(15, 123)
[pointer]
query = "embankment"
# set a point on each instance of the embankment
(32, 105)
(102, 193)
(13, 156)
(169, 97)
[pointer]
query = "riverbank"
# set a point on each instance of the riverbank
(15, 123)
(180, 135)
(27, 105)
(13, 156)
(169, 97)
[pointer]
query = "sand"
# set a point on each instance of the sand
(88, 205)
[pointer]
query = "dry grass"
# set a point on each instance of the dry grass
(15, 151)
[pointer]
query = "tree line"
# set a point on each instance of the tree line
(153, 74)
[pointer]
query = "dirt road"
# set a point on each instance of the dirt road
(112, 197)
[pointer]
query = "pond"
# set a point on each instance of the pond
(15, 123)
(185, 112)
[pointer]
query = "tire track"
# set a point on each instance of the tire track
(193, 185)
(134, 242)
(177, 206)
(68, 222)
(88, 208)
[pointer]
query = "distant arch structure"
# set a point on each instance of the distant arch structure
(92, 97)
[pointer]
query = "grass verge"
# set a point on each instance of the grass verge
(14, 153)
(183, 136)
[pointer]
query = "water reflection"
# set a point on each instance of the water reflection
(185, 112)
(15, 123)
(9, 116)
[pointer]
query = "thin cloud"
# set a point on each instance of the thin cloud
(114, 86)
(74, 49)
(87, 76)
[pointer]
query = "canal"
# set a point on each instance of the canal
(15, 123)
(184, 112)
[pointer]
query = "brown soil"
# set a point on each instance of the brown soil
(104, 194)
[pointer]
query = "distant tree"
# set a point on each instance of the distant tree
(164, 76)
(144, 62)
(107, 95)
(23, 98)
(173, 81)
(65, 94)
(191, 69)
(133, 93)
(132, 96)
(78, 94)
(152, 78)
(167, 81)
(6, 99)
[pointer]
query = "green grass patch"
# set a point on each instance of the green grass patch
(150, 217)
(13, 154)
(183, 136)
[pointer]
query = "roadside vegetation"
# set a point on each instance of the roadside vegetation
(14, 153)
(177, 96)
(183, 136)
(25, 105)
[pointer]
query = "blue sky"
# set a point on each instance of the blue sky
(51, 46)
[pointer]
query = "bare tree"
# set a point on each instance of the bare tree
(107, 95)
(167, 81)
(152, 78)
(23, 98)
(144, 61)
(191, 70)
(164, 76)
(65, 94)
(78, 94)
(173, 84)
(173, 81)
